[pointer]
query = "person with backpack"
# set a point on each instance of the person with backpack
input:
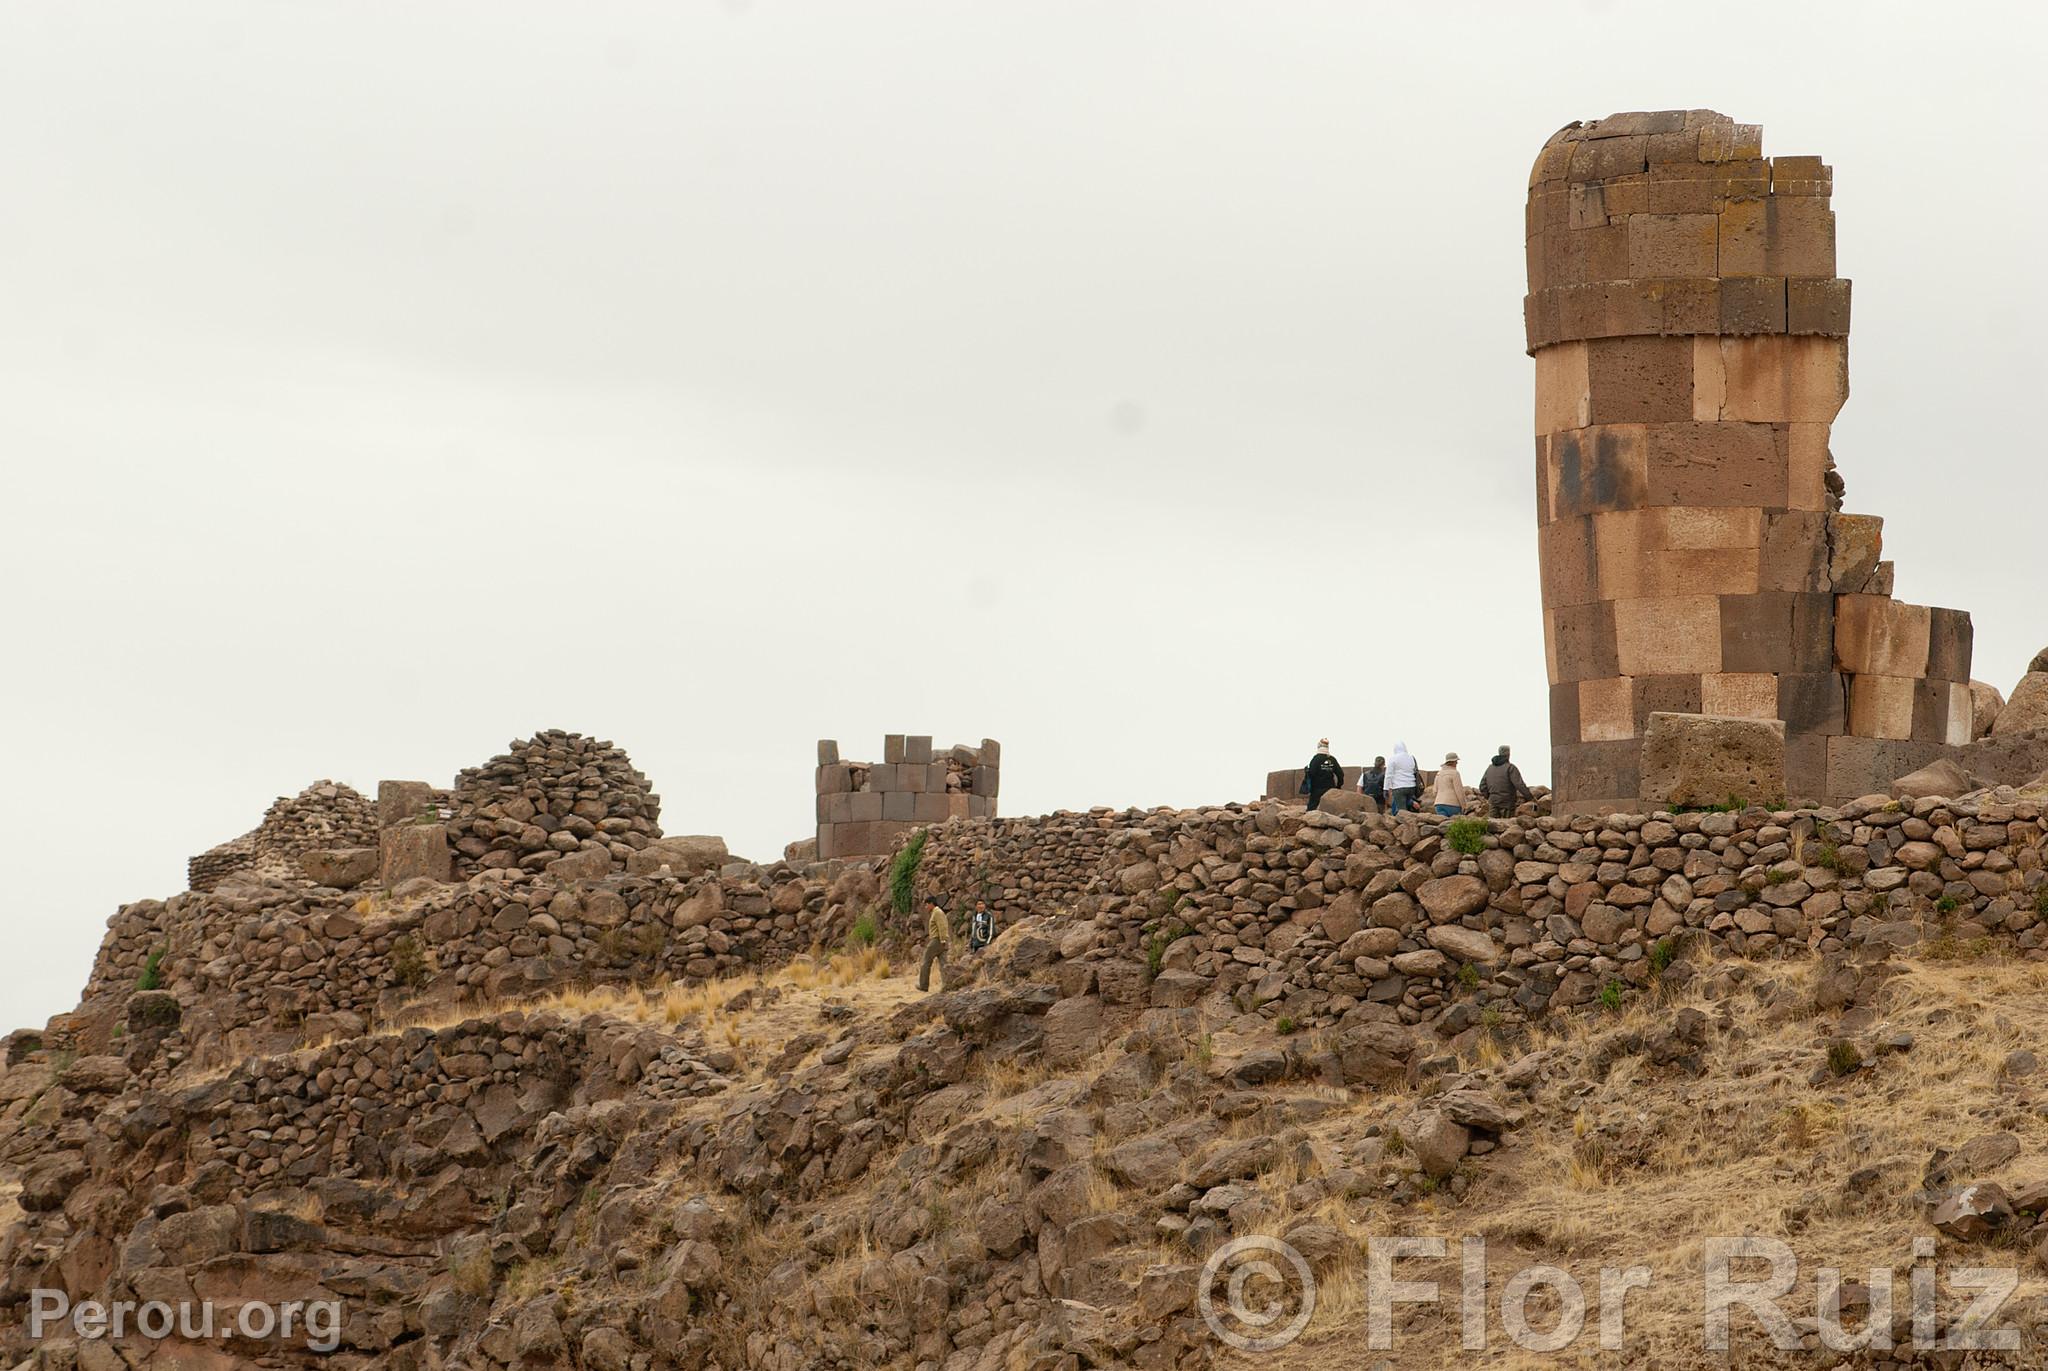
(981, 930)
(1404, 780)
(1322, 775)
(1502, 785)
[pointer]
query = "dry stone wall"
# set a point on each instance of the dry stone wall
(1691, 346)
(548, 797)
(326, 814)
(1325, 919)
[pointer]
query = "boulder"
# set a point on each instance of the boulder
(684, 855)
(584, 864)
(1703, 759)
(2027, 710)
(1943, 776)
(1450, 898)
(1464, 944)
(1435, 1141)
(2040, 662)
(1985, 703)
(1073, 1030)
(1974, 1212)
(343, 868)
(404, 802)
(1348, 803)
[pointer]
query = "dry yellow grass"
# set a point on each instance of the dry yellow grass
(1646, 1166)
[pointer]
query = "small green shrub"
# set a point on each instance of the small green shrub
(408, 960)
(1947, 904)
(1843, 1057)
(1284, 1024)
(1779, 875)
(152, 977)
(1829, 858)
(903, 873)
(1155, 950)
(864, 932)
(1396, 1144)
(1663, 953)
(1490, 1017)
(1466, 836)
(1610, 996)
(2041, 901)
(1468, 976)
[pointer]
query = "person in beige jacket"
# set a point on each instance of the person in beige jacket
(1450, 788)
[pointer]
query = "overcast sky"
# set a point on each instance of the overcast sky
(1138, 383)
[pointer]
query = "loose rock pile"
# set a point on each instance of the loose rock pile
(551, 795)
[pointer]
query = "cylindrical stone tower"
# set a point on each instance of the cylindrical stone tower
(1691, 346)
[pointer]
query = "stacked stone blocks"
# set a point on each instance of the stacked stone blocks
(863, 808)
(1690, 339)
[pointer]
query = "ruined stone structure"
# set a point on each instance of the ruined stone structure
(326, 814)
(865, 807)
(1691, 346)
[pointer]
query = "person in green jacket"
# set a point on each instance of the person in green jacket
(938, 942)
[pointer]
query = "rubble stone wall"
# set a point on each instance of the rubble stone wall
(1691, 347)
(546, 797)
(326, 814)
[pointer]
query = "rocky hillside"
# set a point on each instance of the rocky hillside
(672, 1117)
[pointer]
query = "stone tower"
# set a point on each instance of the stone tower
(1691, 346)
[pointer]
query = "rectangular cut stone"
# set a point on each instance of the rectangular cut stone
(1671, 245)
(1806, 768)
(1696, 759)
(1778, 378)
(1564, 710)
(1600, 159)
(1637, 380)
(892, 748)
(1855, 551)
(1664, 695)
(1740, 694)
(864, 806)
(1609, 770)
(1867, 766)
(917, 751)
(1777, 631)
(1881, 706)
(1562, 395)
(1690, 306)
(932, 807)
(1689, 528)
(1878, 636)
(1716, 464)
(1579, 640)
(1753, 304)
(935, 777)
(1777, 236)
(1597, 469)
(1709, 378)
(1818, 305)
(1814, 703)
(834, 778)
(1606, 710)
(1806, 467)
(1795, 552)
(882, 776)
(1664, 637)
(899, 805)
(1950, 641)
(1688, 188)
(981, 807)
(828, 752)
(1567, 555)
(984, 780)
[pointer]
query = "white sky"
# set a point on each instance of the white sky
(1138, 383)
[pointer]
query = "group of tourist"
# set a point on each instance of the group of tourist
(1395, 784)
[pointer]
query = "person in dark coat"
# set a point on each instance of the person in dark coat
(1372, 783)
(1502, 785)
(1323, 773)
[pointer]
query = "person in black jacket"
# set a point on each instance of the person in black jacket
(1372, 783)
(1503, 786)
(1323, 774)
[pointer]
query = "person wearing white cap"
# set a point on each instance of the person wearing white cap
(1450, 787)
(1322, 774)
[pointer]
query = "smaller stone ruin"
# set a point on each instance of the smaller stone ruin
(553, 795)
(325, 815)
(864, 808)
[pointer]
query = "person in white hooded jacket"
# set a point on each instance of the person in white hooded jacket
(1404, 780)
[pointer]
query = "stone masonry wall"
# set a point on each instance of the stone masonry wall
(551, 795)
(865, 807)
(1691, 346)
(326, 814)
